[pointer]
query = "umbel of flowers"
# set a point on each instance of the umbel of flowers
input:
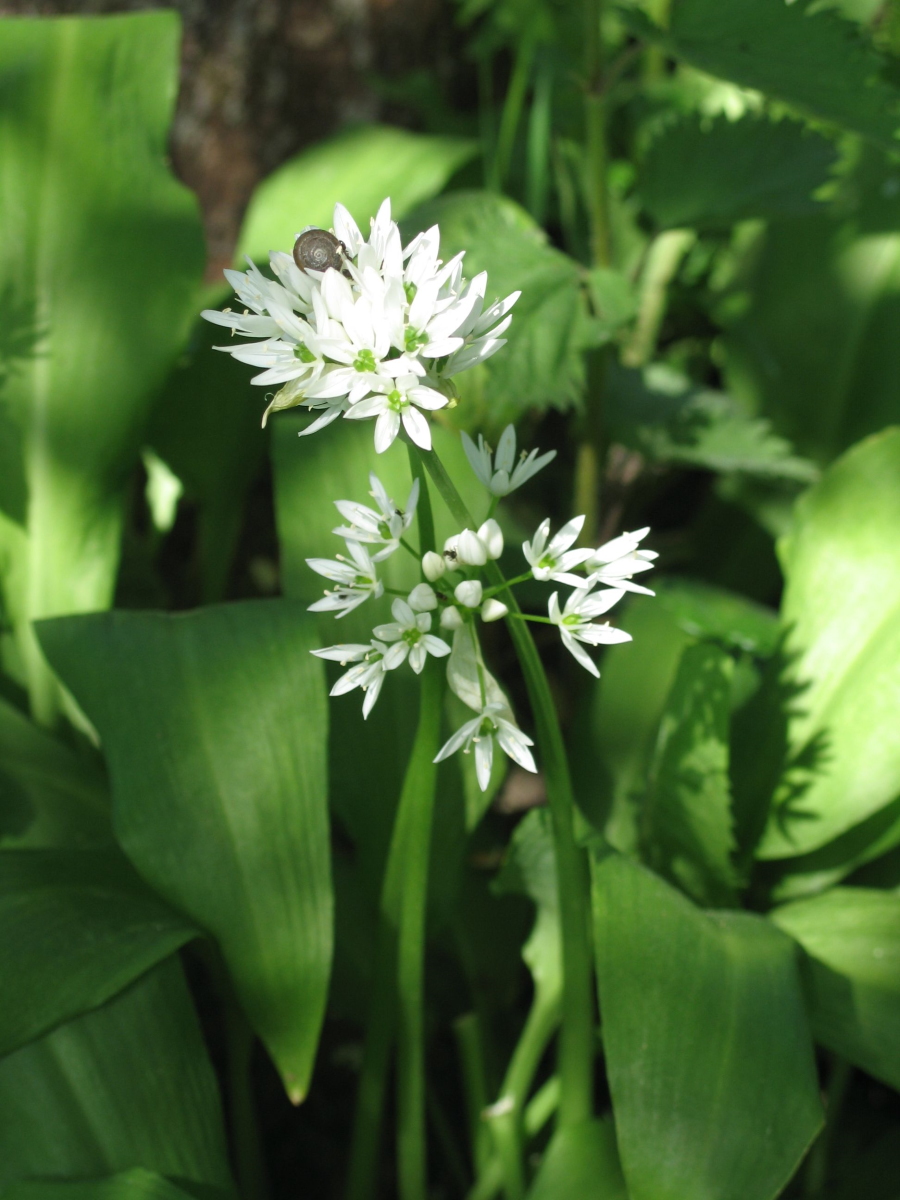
(381, 333)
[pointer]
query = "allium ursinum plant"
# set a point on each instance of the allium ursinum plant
(380, 333)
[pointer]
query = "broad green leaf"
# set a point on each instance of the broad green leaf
(660, 414)
(542, 364)
(49, 795)
(704, 611)
(359, 168)
(614, 752)
(817, 352)
(687, 826)
(709, 174)
(807, 56)
(842, 613)
(128, 1085)
(581, 1160)
(708, 1053)
(136, 1184)
(852, 937)
(75, 928)
(105, 248)
(223, 807)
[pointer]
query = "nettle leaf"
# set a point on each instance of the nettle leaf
(688, 828)
(817, 351)
(658, 413)
(103, 246)
(841, 609)
(49, 795)
(711, 173)
(709, 1057)
(542, 364)
(713, 613)
(359, 168)
(214, 725)
(127, 1085)
(807, 56)
(852, 937)
(75, 928)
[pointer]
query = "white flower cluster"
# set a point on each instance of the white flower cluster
(380, 336)
(453, 598)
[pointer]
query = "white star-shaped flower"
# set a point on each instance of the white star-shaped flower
(356, 580)
(576, 622)
(382, 528)
(482, 731)
(555, 561)
(368, 674)
(504, 474)
(615, 562)
(397, 401)
(410, 637)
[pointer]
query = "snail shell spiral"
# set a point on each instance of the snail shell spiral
(317, 250)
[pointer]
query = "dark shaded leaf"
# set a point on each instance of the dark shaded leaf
(214, 725)
(136, 1184)
(128, 1085)
(75, 928)
(709, 174)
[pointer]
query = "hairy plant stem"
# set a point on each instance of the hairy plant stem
(576, 1050)
(398, 988)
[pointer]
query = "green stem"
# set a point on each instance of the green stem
(576, 1051)
(248, 1157)
(397, 945)
(467, 1029)
(663, 259)
(596, 187)
(501, 587)
(512, 109)
(539, 130)
(818, 1161)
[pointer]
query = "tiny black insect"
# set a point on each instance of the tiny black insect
(317, 250)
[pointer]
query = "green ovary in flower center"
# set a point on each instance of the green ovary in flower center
(411, 636)
(365, 361)
(487, 728)
(414, 339)
(303, 352)
(397, 401)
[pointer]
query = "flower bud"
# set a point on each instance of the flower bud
(469, 593)
(422, 598)
(471, 550)
(450, 618)
(493, 610)
(491, 536)
(450, 549)
(433, 565)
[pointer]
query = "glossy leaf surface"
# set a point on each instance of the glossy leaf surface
(843, 615)
(224, 809)
(709, 1056)
(75, 928)
(101, 253)
(82, 1103)
(581, 1160)
(359, 168)
(852, 937)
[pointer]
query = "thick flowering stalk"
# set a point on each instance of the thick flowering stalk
(380, 333)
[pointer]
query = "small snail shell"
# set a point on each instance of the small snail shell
(317, 250)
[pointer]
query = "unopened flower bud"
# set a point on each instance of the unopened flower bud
(471, 550)
(450, 554)
(433, 565)
(451, 618)
(493, 610)
(422, 598)
(491, 536)
(469, 593)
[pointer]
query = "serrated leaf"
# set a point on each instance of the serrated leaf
(842, 611)
(359, 168)
(49, 796)
(709, 174)
(708, 1052)
(542, 364)
(852, 937)
(688, 826)
(102, 244)
(127, 1085)
(704, 611)
(808, 56)
(223, 807)
(662, 416)
(75, 928)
